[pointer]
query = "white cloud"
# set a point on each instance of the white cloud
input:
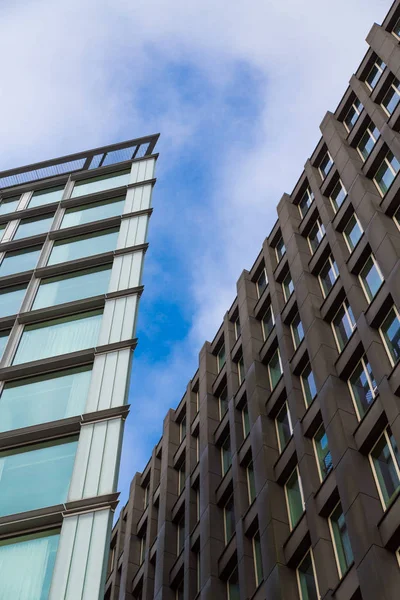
(86, 73)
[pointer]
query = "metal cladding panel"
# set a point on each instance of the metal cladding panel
(97, 460)
(109, 381)
(126, 271)
(132, 232)
(138, 198)
(142, 170)
(118, 320)
(78, 572)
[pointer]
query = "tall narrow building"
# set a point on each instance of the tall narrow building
(277, 477)
(73, 238)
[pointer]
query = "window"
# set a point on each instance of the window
(341, 540)
(72, 286)
(308, 385)
(396, 30)
(306, 579)
(274, 369)
(236, 325)
(92, 212)
(375, 73)
(390, 332)
(142, 551)
(325, 165)
(283, 426)
(392, 98)
(179, 595)
(371, 278)
(280, 249)
(245, 421)
(343, 325)
(363, 387)
(2, 229)
(83, 245)
(223, 402)
(11, 300)
(9, 205)
(352, 116)
(294, 498)
(146, 496)
(315, 236)
(46, 196)
(100, 183)
(322, 453)
(229, 519)
(3, 341)
(221, 358)
(268, 322)
(288, 287)
(226, 455)
(198, 581)
(58, 336)
(29, 227)
(352, 232)
(182, 428)
(44, 398)
(198, 501)
(384, 459)
(232, 585)
(181, 478)
(386, 173)
(197, 448)
(368, 141)
(251, 482)
(34, 556)
(296, 327)
(49, 463)
(19, 261)
(241, 371)
(262, 282)
(338, 195)
(328, 275)
(258, 569)
(180, 535)
(306, 200)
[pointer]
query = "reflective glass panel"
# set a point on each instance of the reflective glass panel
(326, 165)
(46, 196)
(93, 212)
(341, 540)
(307, 583)
(371, 278)
(11, 300)
(392, 97)
(385, 469)
(323, 453)
(391, 332)
(83, 245)
(283, 426)
(294, 498)
(29, 227)
(19, 261)
(274, 368)
(368, 141)
(343, 323)
(328, 275)
(309, 387)
(352, 232)
(338, 195)
(363, 386)
(101, 183)
(297, 330)
(387, 172)
(9, 205)
(268, 322)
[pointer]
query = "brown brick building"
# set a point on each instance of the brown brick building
(278, 475)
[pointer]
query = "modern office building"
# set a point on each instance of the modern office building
(73, 238)
(278, 475)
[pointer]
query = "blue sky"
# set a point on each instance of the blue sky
(218, 80)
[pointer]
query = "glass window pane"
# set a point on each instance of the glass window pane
(233, 586)
(309, 387)
(44, 398)
(341, 540)
(338, 195)
(363, 386)
(251, 482)
(386, 173)
(257, 558)
(391, 333)
(288, 287)
(35, 226)
(223, 402)
(75, 286)
(274, 368)
(46, 196)
(385, 469)
(3, 341)
(98, 184)
(221, 358)
(343, 323)
(19, 261)
(226, 455)
(326, 165)
(58, 336)
(93, 212)
(261, 283)
(392, 97)
(353, 114)
(34, 556)
(294, 498)
(9, 205)
(280, 249)
(316, 234)
(328, 276)
(371, 278)
(268, 322)
(83, 245)
(375, 74)
(352, 232)
(246, 421)
(37, 476)
(229, 517)
(306, 202)
(284, 426)
(11, 300)
(297, 330)
(324, 457)
(307, 583)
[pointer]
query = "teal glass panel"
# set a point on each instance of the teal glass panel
(371, 277)
(93, 212)
(11, 300)
(341, 539)
(19, 261)
(275, 371)
(9, 205)
(29, 227)
(36, 476)
(33, 556)
(74, 286)
(46, 196)
(308, 586)
(3, 341)
(83, 245)
(294, 498)
(58, 336)
(44, 398)
(101, 183)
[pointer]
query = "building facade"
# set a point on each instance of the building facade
(73, 239)
(278, 475)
